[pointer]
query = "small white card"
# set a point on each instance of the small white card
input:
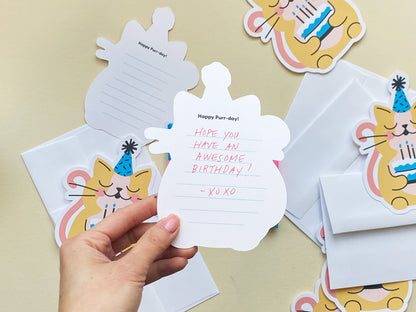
(144, 73)
(222, 181)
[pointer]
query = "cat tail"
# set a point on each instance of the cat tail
(360, 138)
(61, 227)
(61, 235)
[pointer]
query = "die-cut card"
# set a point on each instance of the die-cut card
(222, 180)
(383, 297)
(307, 35)
(145, 71)
(389, 141)
(98, 192)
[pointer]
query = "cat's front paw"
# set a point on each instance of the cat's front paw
(337, 19)
(399, 183)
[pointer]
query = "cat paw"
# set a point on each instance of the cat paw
(395, 303)
(353, 306)
(354, 30)
(324, 61)
(399, 203)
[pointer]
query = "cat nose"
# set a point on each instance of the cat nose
(405, 126)
(118, 189)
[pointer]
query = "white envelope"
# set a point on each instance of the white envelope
(50, 162)
(320, 113)
(365, 242)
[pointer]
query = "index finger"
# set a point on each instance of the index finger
(124, 219)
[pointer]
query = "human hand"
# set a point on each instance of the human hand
(97, 276)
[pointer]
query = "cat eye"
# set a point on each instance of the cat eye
(133, 191)
(99, 181)
(414, 123)
(273, 6)
(391, 128)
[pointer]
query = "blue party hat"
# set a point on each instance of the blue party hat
(400, 104)
(125, 167)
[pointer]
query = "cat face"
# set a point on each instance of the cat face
(108, 191)
(383, 296)
(398, 129)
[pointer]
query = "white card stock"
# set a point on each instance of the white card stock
(144, 73)
(221, 180)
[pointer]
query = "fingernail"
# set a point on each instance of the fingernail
(170, 223)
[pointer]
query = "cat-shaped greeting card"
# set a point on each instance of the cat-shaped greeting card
(307, 35)
(222, 180)
(389, 140)
(95, 197)
(145, 71)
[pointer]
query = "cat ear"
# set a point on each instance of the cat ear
(145, 174)
(101, 168)
(382, 113)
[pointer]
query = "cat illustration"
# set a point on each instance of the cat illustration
(391, 164)
(307, 34)
(380, 297)
(314, 303)
(105, 192)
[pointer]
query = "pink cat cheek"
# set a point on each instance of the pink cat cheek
(100, 192)
(134, 198)
(279, 11)
(389, 135)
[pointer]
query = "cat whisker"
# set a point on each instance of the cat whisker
(83, 195)
(375, 145)
(257, 29)
(373, 136)
(84, 186)
(272, 27)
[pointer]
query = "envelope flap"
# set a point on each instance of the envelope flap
(351, 208)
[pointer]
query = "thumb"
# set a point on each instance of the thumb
(151, 245)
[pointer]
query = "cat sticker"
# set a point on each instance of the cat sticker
(389, 140)
(386, 297)
(381, 297)
(95, 197)
(307, 35)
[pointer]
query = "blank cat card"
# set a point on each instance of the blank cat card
(97, 193)
(307, 35)
(389, 141)
(145, 71)
(222, 180)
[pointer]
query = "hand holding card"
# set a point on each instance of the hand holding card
(222, 181)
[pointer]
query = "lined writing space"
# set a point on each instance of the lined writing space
(138, 92)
